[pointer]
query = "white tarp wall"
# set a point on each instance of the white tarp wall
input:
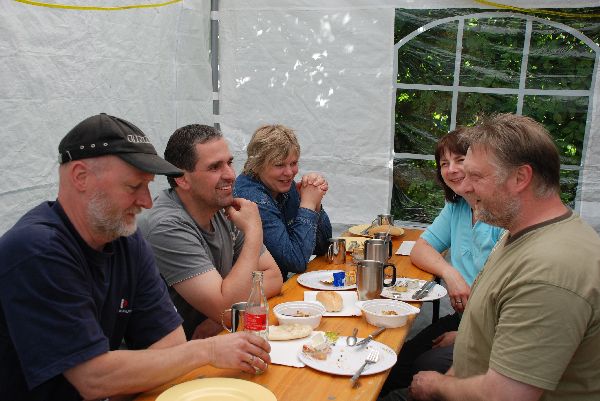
(59, 66)
(324, 68)
(590, 189)
(324, 72)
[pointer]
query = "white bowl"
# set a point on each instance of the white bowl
(285, 313)
(374, 312)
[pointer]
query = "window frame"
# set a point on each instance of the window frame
(520, 92)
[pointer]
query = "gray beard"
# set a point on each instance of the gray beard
(103, 219)
(509, 211)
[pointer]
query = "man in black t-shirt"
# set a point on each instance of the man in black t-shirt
(77, 280)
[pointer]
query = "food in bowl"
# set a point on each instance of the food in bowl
(386, 312)
(299, 312)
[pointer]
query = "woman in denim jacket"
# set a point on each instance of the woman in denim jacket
(295, 225)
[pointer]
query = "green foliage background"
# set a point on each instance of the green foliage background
(492, 51)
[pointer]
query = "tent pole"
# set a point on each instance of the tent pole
(214, 58)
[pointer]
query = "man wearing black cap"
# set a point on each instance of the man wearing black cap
(77, 279)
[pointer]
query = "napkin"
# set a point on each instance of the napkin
(286, 352)
(348, 297)
(405, 248)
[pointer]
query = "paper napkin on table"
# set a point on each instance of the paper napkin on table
(286, 352)
(349, 299)
(405, 248)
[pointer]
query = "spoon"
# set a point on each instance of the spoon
(351, 340)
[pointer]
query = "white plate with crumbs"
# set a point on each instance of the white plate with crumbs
(345, 360)
(436, 292)
(322, 280)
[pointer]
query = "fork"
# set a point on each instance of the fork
(372, 357)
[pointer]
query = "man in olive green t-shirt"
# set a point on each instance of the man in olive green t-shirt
(531, 329)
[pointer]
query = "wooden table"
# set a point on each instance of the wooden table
(306, 384)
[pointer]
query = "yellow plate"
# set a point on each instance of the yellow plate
(217, 389)
(357, 230)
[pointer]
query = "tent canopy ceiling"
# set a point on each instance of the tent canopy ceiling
(323, 68)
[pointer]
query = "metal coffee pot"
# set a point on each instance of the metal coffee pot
(370, 278)
(378, 249)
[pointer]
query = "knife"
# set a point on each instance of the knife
(422, 293)
(365, 341)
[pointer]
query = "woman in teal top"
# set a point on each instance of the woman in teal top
(469, 243)
(455, 230)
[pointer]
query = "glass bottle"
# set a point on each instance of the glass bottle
(256, 317)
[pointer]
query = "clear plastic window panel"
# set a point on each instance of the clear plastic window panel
(421, 118)
(491, 57)
(492, 52)
(416, 195)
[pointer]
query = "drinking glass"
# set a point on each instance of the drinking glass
(358, 254)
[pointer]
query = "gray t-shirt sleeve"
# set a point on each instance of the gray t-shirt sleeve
(180, 250)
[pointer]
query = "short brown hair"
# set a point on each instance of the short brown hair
(516, 141)
(451, 142)
(181, 147)
(270, 143)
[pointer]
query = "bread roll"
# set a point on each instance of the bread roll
(331, 300)
(393, 230)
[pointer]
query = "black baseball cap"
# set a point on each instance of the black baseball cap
(102, 135)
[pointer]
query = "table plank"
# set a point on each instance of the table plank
(306, 384)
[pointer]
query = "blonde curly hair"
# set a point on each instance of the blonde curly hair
(270, 144)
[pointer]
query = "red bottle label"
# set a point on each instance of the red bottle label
(255, 322)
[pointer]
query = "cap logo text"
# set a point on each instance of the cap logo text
(138, 139)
